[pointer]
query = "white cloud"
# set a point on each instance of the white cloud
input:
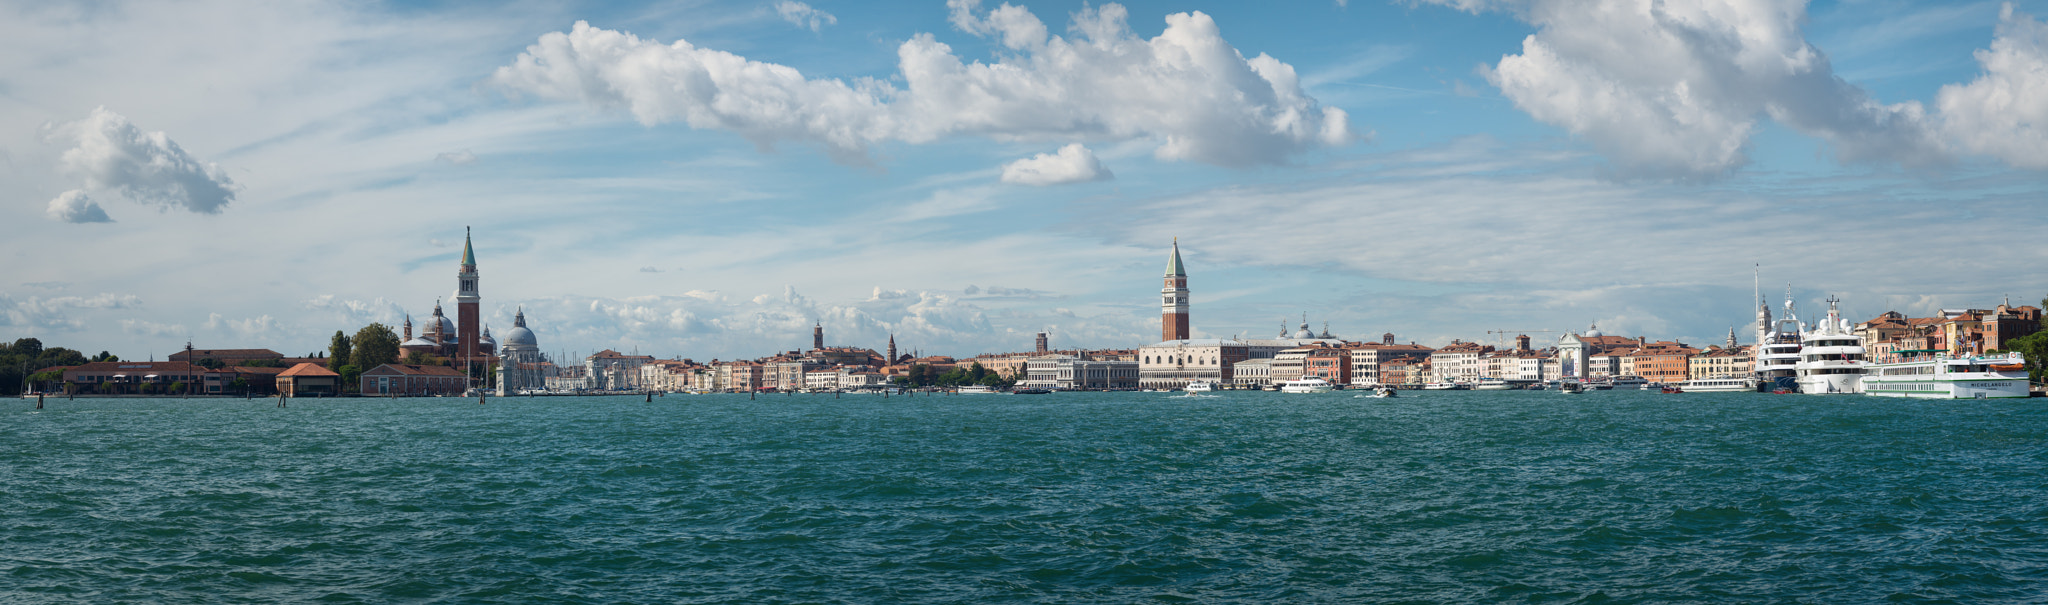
(75, 206)
(2004, 112)
(51, 313)
(1187, 89)
(112, 155)
(802, 15)
(458, 158)
(1071, 164)
(1676, 89)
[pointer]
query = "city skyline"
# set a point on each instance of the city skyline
(264, 176)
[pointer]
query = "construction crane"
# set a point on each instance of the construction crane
(1503, 334)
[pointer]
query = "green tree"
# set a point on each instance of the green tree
(373, 346)
(240, 385)
(422, 358)
(210, 363)
(351, 377)
(105, 356)
(338, 352)
(2034, 347)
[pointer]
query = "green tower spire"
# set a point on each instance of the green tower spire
(1173, 268)
(468, 256)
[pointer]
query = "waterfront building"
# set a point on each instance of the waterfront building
(308, 379)
(1588, 356)
(1332, 364)
(1175, 363)
(1721, 362)
(1662, 362)
(1069, 372)
(1252, 373)
(1405, 371)
(614, 371)
(254, 380)
(1974, 331)
(788, 375)
(229, 357)
(1458, 362)
(134, 377)
(397, 379)
(1367, 357)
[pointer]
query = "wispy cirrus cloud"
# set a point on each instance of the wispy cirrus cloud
(804, 16)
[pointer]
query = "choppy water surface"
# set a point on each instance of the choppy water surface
(1241, 497)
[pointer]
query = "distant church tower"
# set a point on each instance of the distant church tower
(892, 352)
(466, 301)
(818, 337)
(1173, 305)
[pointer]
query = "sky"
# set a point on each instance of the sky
(711, 179)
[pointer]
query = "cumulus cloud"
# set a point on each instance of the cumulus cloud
(75, 206)
(1187, 89)
(2004, 112)
(1676, 89)
(802, 15)
(1071, 164)
(112, 155)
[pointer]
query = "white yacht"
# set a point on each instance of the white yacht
(1830, 357)
(1443, 386)
(1307, 385)
(1777, 356)
(1199, 387)
(1934, 374)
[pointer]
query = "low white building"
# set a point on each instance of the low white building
(1252, 373)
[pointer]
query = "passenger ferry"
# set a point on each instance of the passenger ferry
(1307, 385)
(1629, 382)
(975, 389)
(1199, 387)
(1443, 386)
(1831, 357)
(1719, 385)
(1934, 374)
(1491, 384)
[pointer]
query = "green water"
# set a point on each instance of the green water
(1432, 497)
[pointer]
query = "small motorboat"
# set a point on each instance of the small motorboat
(1571, 388)
(1668, 389)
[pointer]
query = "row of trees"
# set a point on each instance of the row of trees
(374, 345)
(20, 360)
(922, 375)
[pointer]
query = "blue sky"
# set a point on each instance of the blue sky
(708, 179)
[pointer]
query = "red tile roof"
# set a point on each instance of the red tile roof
(307, 370)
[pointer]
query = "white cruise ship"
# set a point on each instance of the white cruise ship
(1934, 374)
(1831, 357)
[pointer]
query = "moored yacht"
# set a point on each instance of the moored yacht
(1831, 357)
(1777, 355)
(1719, 385)
(1934, 374)
(1199, 387)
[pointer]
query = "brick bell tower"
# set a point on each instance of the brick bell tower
(466, 301)
(1173, 305)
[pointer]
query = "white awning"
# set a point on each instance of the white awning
(150, 376)
(120, 375)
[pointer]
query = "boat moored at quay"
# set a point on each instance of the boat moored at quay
(1831, 357)
(1934, 374)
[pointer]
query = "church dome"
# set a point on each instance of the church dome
(418, 343)
(519, 336)
(1304, 333)
(1593, 331)
(447, 327)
